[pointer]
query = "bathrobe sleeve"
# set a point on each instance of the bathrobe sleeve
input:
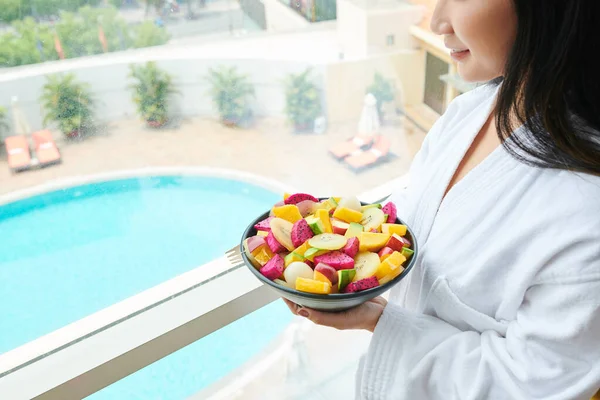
(550, 351)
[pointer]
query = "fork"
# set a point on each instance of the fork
(234, 256)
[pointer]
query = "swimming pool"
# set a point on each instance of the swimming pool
(75, 251)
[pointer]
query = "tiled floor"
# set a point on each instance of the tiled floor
(268, 149)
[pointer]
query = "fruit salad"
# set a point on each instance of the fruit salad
(329, 246)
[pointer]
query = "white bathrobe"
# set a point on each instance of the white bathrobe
(504, 299)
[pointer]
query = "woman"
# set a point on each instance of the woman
(504, 299)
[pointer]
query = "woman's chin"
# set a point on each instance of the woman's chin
(473, 75)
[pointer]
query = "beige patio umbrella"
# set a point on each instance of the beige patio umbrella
(20, 124)
(369, 123)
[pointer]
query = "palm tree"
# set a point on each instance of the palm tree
(230, 92)
(302, 100)
(68, 103)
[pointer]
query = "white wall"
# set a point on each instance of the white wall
(281, 18)
(363, 28)
(113, 98)
(380, 24)
(351, 29)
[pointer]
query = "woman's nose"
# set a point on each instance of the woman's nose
(440, 23)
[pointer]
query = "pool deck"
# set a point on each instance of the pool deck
(268, 149)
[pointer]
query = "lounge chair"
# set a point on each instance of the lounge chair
(344, 149)
(19, 155)
(45, 148)
(368, 158)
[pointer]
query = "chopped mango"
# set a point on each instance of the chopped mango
(288, 212)
(263, 254)
(286, 195)
(302, 249)
(371, 241)
(312, 286)
(391, 276)
(347, 215)
(262, 233)
(392, 265)
(323, 216)
(394, 228)
(396, 258)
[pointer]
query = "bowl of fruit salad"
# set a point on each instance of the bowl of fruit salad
(329, 254)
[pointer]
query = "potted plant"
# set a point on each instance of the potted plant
(302, 100)
(231, 92)
(68, 103)
(383, 91)
(4, 127)
(151, 93)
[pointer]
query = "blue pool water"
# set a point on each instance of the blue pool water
(67, 254)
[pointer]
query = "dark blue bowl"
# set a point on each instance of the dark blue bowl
(327, 302)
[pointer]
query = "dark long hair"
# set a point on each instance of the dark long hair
(551, 85)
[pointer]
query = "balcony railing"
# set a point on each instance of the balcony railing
(90, 354)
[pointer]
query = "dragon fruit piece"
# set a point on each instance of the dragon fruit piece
(273, 244)
(391, 211)
(351, 247)
(301, 232)
(336, 259)
(328, 271)
(264, 225)
(273, 269)
(298, 197)
(363, 284)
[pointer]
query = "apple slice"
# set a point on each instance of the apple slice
(254, 242)
(339, 227)
(320, 277)
(395, 242)
(328, 271)
(385, 253)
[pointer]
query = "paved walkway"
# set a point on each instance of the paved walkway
(268, 149)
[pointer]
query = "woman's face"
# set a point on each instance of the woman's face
(479, 33)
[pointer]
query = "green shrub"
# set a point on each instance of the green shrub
(231, 92)
(383, 91)
(4, 127)
(302, 100)
(148, 34)
(11, 10)
(68, 103)
(151, 92)
(78, 33)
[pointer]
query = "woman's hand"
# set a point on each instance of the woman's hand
(364, 316)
